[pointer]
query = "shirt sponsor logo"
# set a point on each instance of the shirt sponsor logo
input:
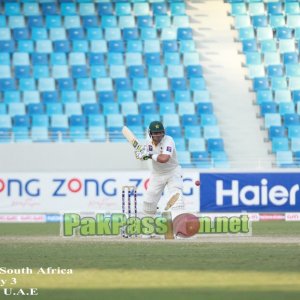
(150, 148)
(169, 149)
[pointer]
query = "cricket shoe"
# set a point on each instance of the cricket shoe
(150, 236)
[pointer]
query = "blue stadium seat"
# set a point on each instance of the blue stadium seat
(110, 108)
(259, 21)
(201, 159)
(171, 120)
(21, 121)
(96, 121)
(157, 84)
(185, 108)
(54, 109)
(148, 118)
(189, 120)
(49, 97)
(125, 96)
(294, 131)
(105, 9)
(280, 144)
(12, 9)
(144, 22)
(97, 134)
(211, 132)
(148, 108)
(91, 109)
(249, 45)
(268, 46)
(296, 95)
(134, 120)
(72, 109)
(196, 144)
(204, 108)
(162, 96)
(35, 21)
(11, 97)
(35, 108)
(286, 108)
(272, 119)
(5, 122)
(178, 84)
(295, 144)
(122, 84)
(275, 70)
(192, 132)
(276, 131)
(141, 9)
(77, 120)
(136, 71)
(194, 71)
(79, 71)
(20, 72)
(106, 96)
(184, 158)
(291, 119)
(3, 109)
(167, 108)
(155, 71)
(182, 96)
(134, 46)
(115, 134)
(268, 107)
(65, 84)
(284, 159)
(63, 46)
(170, 46)
(49, 8)
(40, 72)
(215, 145)
(260, 83)
(184, 34)
(128, 108)
(290, 58)
(274, 8)
(174, 131)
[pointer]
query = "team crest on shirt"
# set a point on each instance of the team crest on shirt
(150, 148)
(169, 149)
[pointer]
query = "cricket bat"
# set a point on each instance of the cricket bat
(131, 138)
(169, 235)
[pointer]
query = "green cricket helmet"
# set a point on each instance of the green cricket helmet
(156, 126)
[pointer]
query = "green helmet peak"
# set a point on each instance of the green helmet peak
(156, 126)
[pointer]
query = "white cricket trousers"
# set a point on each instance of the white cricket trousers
(157, 184)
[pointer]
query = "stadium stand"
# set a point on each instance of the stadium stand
(73, 71)
(269, 33)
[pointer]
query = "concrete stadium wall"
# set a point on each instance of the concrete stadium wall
(66, 157)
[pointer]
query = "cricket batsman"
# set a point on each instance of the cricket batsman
(165, 172)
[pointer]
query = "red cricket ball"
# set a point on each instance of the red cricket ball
(186, 225)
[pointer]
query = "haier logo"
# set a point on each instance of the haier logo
(256, 194)
(251, 192)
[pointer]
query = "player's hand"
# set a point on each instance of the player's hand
(142, 154)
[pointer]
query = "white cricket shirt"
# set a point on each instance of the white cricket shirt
(166, 146)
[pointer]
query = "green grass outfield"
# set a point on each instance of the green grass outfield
(154, 269)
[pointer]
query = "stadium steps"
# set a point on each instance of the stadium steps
(237, 116)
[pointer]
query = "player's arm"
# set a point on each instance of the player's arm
(166, 154)
(161, 158)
